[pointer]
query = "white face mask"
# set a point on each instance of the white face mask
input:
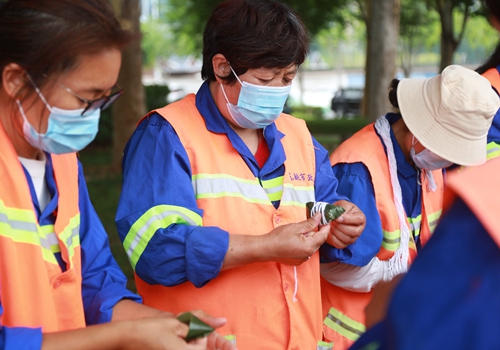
(258, 106)
(427, 160)
(67, 130)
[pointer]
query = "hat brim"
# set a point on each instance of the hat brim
(419, 110)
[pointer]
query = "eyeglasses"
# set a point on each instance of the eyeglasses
(102, 102)
(92, 105)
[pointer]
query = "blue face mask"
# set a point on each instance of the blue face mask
(67, 130)
(258, 106)
(428, 160)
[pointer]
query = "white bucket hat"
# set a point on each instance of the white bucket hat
(450, 114)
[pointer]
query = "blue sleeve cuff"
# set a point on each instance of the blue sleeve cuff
(202, 243)
(100, 309)
(20, 338)
(183, 253)
(329, 253)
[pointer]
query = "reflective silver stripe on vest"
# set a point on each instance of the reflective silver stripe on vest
(160, 216)
(324, 346)
(391, 241)
(223, 185)
(276, 189)
(415, 226)
(344, 325)
(18, 225)
(298, 194)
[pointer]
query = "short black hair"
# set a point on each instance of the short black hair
(253, 34)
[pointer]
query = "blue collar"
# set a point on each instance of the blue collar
(216, 123)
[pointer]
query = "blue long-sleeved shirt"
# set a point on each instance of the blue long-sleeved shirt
(156, 171)
(103, 283)
(449, 297)
(355, 182)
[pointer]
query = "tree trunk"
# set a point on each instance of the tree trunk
(130, 107)
(448, 41)
(381, 55)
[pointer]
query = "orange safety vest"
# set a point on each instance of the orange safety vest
(257, 299)
(478, 188)
(344, 314)
(34, 292)
(493, 76)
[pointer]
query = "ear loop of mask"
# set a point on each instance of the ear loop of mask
(431, 183)
(21, 109)
(222, 85)
(49, 107)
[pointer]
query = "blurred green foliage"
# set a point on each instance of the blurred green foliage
(156, 97)
(307, 112)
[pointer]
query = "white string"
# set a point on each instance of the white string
(319, 207)
(296, 285)
(431, 183)
(399, 261)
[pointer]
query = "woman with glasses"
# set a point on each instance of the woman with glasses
(60, 61)
(213, 206)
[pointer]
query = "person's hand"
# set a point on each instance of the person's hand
(292, 244)
(214, 341)
(158, 333)
(348, 227)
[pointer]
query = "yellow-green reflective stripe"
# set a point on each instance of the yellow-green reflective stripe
(277, 181)
(160, 216)
(273, 188)
(415, 225)
(323, 345)
(344, 325)
(222, 185)
(20, 226)
(71, 235)
(433, 219)
(51, 237)
(493, 150)
(391, 239)
(231, 338)
(297, 195)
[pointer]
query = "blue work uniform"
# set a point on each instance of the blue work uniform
(156, 171)
(449, 298)
(355, 183)
(103, 283)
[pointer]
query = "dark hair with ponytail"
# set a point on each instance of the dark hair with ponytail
(393, 93)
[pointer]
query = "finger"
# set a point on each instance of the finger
(344, 234)
(180, 328)
(336, 242)
(310, 224)
(198, 344)
(321, 235)
(216, 341)
(215, 322)
(350, 230)
(354, 218)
